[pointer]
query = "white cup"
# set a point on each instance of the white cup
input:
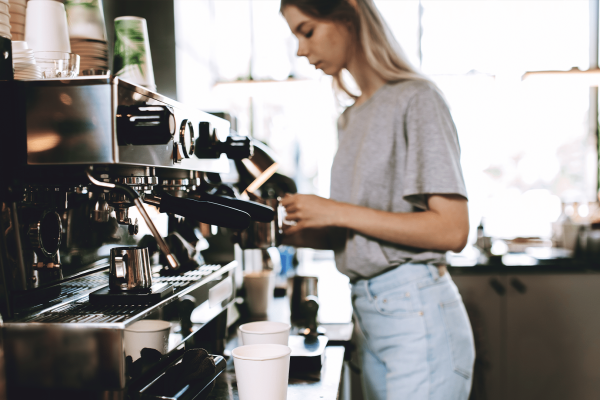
(136, 69)
(265, 332)
(46, 27)
(262, 371)
(4, 19)
(147, 333)
(259, 291)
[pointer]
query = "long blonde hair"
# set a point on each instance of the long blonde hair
(382, 51)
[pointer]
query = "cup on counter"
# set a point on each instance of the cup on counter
(262, 371)
(264, 332)
(132, 59)
(46, 27)
(147, 333)
(259, 291)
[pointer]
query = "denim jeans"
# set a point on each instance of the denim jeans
(415, 340)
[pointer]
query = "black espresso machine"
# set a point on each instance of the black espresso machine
(89, 164)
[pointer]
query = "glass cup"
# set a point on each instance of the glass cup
(56, 64)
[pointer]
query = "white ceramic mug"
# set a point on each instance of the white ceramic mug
(147, 333)
(265, 332)
(262, 371)
(46, 27)
(259, 291)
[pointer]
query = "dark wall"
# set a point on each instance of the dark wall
(160, 17)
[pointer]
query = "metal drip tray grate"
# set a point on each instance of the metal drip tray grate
(82, 311)
(68, 289)
(181, 281)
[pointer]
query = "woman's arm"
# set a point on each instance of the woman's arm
(444, 226)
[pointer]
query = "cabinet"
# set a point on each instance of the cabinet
(537, 336)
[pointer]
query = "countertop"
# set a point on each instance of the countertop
(326, 387)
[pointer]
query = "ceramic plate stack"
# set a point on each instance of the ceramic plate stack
(17, 19)
(24, 62)
(88, 35)
(4, 19)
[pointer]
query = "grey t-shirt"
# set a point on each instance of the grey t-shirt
(394, 149)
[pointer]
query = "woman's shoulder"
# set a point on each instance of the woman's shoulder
(410, 88)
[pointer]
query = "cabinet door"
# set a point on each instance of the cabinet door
(553, 337)
(484, 296)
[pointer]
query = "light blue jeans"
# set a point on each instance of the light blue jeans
(415, 340)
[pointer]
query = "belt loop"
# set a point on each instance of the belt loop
(435, 274)
(367, 290)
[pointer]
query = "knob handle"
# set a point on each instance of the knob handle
(207, 144)
(237, 147)
(144, 125)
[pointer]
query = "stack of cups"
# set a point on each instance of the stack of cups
(17, 19)
(46, 26)
(5, 19)
(132, 59)
(262, 364)
(24, 62)
(88, 35)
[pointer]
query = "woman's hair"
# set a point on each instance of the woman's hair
(382, 51)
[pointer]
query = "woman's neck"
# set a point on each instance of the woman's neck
(366, 78)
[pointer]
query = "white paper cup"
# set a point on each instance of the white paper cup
(86, 20)
(259, 291)
(132, 58)
(265, 332)
(4, 8)
(147, 333)
(46, 27)
(4, 18)
(262, 371)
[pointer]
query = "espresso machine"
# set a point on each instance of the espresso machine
(91, 169)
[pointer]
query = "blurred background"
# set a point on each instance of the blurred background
(529, 141)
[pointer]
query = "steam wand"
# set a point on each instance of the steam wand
(133, 195)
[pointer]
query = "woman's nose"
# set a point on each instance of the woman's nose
(302, 51)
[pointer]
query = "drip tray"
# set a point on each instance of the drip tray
(157, 293)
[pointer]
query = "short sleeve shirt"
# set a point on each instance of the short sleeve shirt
(394, 150)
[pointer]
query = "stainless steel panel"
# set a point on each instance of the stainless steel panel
(73, 122)
(69, 124)
(64, 356)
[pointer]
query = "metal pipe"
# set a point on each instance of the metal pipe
(17, 231)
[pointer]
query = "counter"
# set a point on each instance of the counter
(326, 388)
(335, 315)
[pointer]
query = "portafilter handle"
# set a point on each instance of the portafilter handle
(135, 197)
(202, 211)
(258, 212)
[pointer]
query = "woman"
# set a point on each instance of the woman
(398, 203)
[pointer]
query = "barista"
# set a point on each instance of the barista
(398, 203)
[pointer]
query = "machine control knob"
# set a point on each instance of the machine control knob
(207, 144)
(145, 125)
(186, 138)
(237, 147)
(46, 234)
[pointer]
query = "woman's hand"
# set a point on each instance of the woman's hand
(310, 212)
